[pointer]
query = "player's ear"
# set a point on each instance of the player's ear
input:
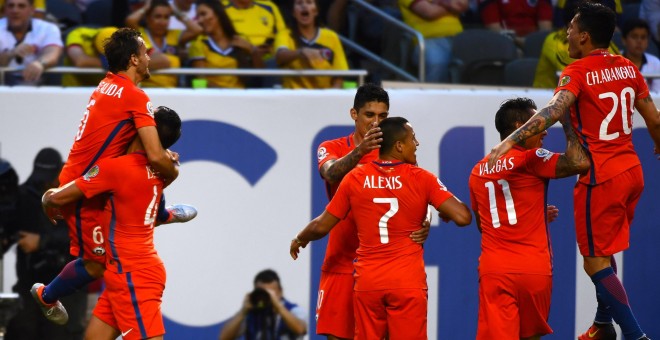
(354, 114)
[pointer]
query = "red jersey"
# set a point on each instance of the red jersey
(606, 87)
(521, 16)
(510, 199)
(114, 101)
(388, 201)
(342, 241)
(128, 220)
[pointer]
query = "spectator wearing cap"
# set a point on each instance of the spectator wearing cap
(42, 251)
(27, 43)
(84, 48)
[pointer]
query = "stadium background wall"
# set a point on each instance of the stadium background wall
(248, 164)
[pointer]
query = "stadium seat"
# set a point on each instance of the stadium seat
(534, 43)
(479, 57)
(630, 11)
(67, 14)
(520, 72)
(617, 39)
(98, 13)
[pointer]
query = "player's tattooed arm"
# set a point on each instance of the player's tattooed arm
(575, 160)
(539, 122)
(545, 118)
(334, 170)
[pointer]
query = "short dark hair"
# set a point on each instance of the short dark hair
(168, 125)
(634, 23)
(513, 111)
(393, 129)
(120, 47)
(370, 93)
(267, 276)
(598, 20)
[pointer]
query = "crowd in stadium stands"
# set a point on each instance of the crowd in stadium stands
(292, 34)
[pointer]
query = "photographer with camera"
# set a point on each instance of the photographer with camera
(42, 250)
(266, 314)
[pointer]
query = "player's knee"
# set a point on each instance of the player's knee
(95, 269)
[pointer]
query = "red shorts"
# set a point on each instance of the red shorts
(131, 302)
(85, 234)
(399, 313)
(604, 212)
(513, 306)
(334, 305)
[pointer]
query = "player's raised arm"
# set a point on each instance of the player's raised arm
(158, 157)
(651, 116)
(334, 170)
(540, 122)
(316, 229)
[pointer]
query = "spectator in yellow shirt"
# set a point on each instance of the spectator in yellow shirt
(554, 53)
(84, 48)
(163, 44)
(308, 46)
(221, 46)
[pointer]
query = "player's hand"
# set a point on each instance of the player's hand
(371, 140)
(50, 212)
(294, 249)
(28, 242)
(498, 151)
(174, 156)
(420, 236)
(553, 212)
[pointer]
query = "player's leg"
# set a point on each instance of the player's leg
(99, 330)
(534, 297)
(87, 243)
(407, 313)
(370, 315)
(178, 213)
(334, 306)
(607, 232)
(499, 316)
(102, 325)
(136, 299)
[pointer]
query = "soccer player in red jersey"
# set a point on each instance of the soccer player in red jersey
(135, 275)
(600, 90)
(509, 202)
(388, 199)
(334, 312)
(117, 111)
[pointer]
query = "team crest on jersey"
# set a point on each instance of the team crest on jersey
(543, 153)
(99, 251)
(150, 109)
(264, 20)
(442, 186)
(322, 153)
(564, 80)
(91, 173)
